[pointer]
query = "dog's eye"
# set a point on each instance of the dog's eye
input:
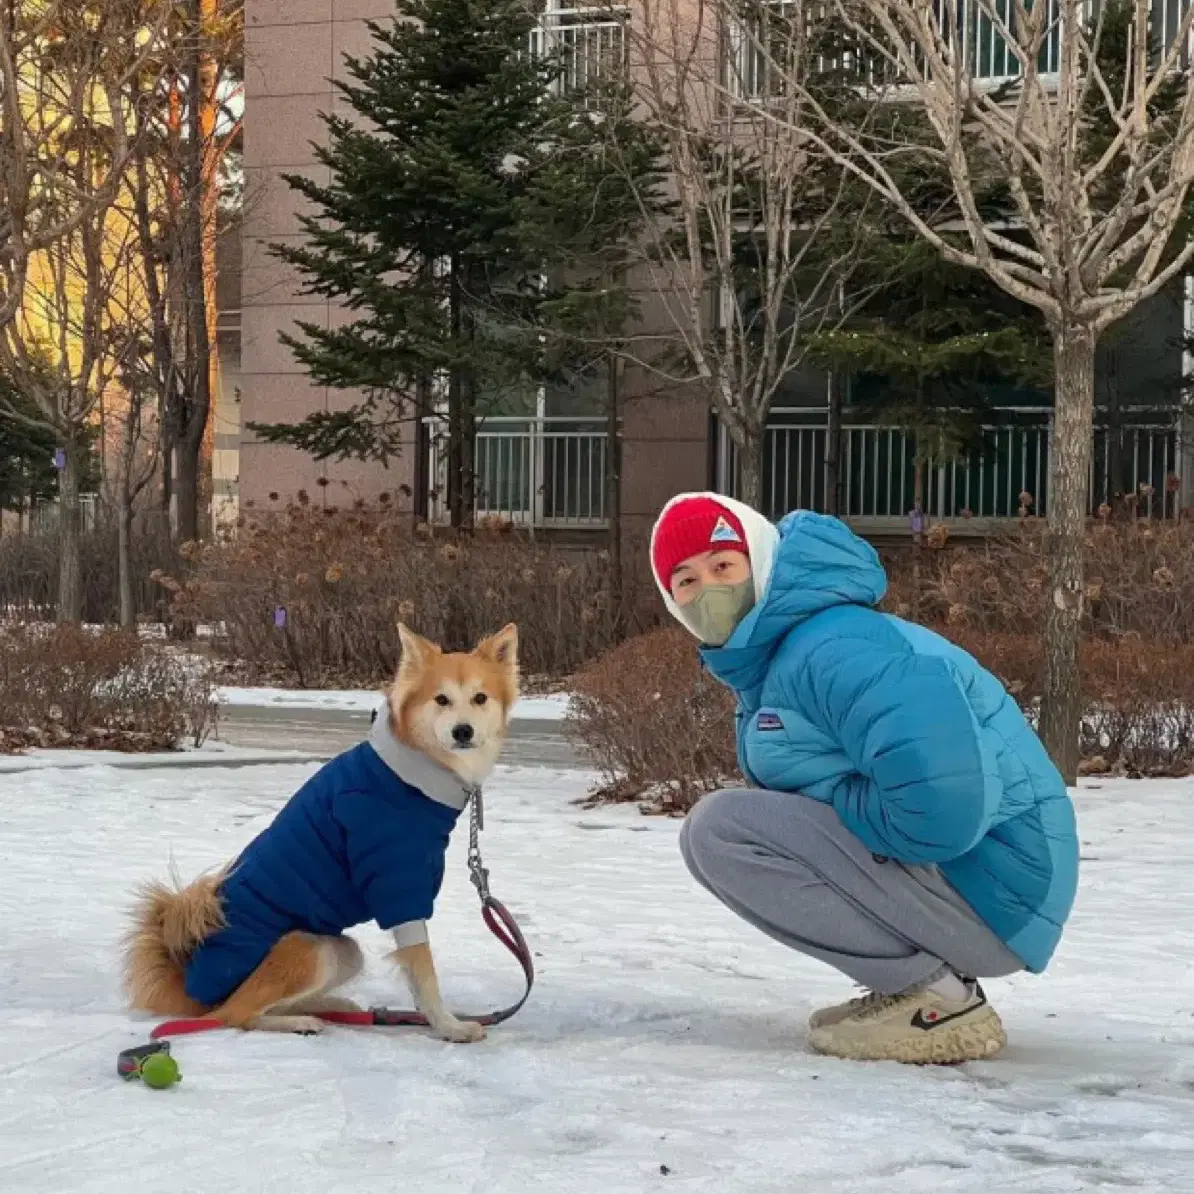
(480, 699)
(442, 701)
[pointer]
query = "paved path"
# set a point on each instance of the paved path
(329, 731)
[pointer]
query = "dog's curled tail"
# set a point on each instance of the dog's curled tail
(169, 921)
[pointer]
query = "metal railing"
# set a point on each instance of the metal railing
(990, 57)
(987, 54)
(1005, 471)
(43, 518)
(588, 43)
(986, 51)
(548, 472)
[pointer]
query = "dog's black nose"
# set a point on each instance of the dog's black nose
(462, 733)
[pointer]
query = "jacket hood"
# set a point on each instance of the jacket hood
(762, 538)
(818, 563)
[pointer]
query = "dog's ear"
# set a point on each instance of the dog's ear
(416, 650)
(501, 648)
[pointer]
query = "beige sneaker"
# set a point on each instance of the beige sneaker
(917, 1027)
(840, 1011)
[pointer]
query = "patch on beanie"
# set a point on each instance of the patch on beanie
(769, 721)
(724, 533)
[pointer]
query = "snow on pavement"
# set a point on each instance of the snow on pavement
(212, 753)
(551, 707)
(662, 1050)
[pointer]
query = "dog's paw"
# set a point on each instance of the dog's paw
(306, 1025)
(463, 1032)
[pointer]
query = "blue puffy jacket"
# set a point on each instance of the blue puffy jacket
(922, 752)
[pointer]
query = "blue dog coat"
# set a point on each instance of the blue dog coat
(363, 839)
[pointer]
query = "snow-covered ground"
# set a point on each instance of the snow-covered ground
(553, 707)
(210, 754)
(663, 1048)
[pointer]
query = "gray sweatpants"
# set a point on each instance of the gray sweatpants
(788, 865)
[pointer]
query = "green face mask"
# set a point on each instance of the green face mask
(716, 611)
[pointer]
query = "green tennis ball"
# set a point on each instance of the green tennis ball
(160, 1070)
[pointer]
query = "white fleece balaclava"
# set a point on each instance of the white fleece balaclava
(692, 523)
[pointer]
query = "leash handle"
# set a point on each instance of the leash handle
(501, 923)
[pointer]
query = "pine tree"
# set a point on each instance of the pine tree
(936, 349)
(470, 228)
(933, 348)
(27, 473)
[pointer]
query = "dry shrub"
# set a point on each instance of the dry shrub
(1138, 697)
(311, 596)
(655, 724)
(1137, 657)
(660, 729)
(66, 687)
(29, 571)
(1139, 580)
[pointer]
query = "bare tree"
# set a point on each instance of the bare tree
(65, 73)
(745, 268)
(215, 41)
(187, 129)
(136, 467)
(189, 139)
(169, 361)
(1093, 138)
(135, 401)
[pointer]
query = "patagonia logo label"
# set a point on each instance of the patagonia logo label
(724, 533)
(769, 721)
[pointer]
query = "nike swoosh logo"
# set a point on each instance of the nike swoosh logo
(919, 1021)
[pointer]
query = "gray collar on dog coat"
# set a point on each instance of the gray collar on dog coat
(435, 782)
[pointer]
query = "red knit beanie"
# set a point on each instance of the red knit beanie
(691, 527)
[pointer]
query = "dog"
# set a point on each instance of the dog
(261, 943)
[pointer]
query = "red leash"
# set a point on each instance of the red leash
(500, 923)
(498, 920)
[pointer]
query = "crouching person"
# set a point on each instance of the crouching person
(906, 826)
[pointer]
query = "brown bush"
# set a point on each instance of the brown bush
(29, 571)
(1138, 697)
(345, 577)
(654, 723)
(660, 729)
(65, 687)
(1139, 580)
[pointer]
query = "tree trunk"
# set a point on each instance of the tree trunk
(917, 523)
(1073, 428)
(455, 453)
(124, 561)
(167, 490)
(462, 439)
(750, 467)
(833, 447)
(189, 445)
(421, 502)
(468, 453)
(613, 488)
(193, 432)
(70, 563)
(209, 204)
(455, 408)
(124, 513)
(186, 496)
(475, 284)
